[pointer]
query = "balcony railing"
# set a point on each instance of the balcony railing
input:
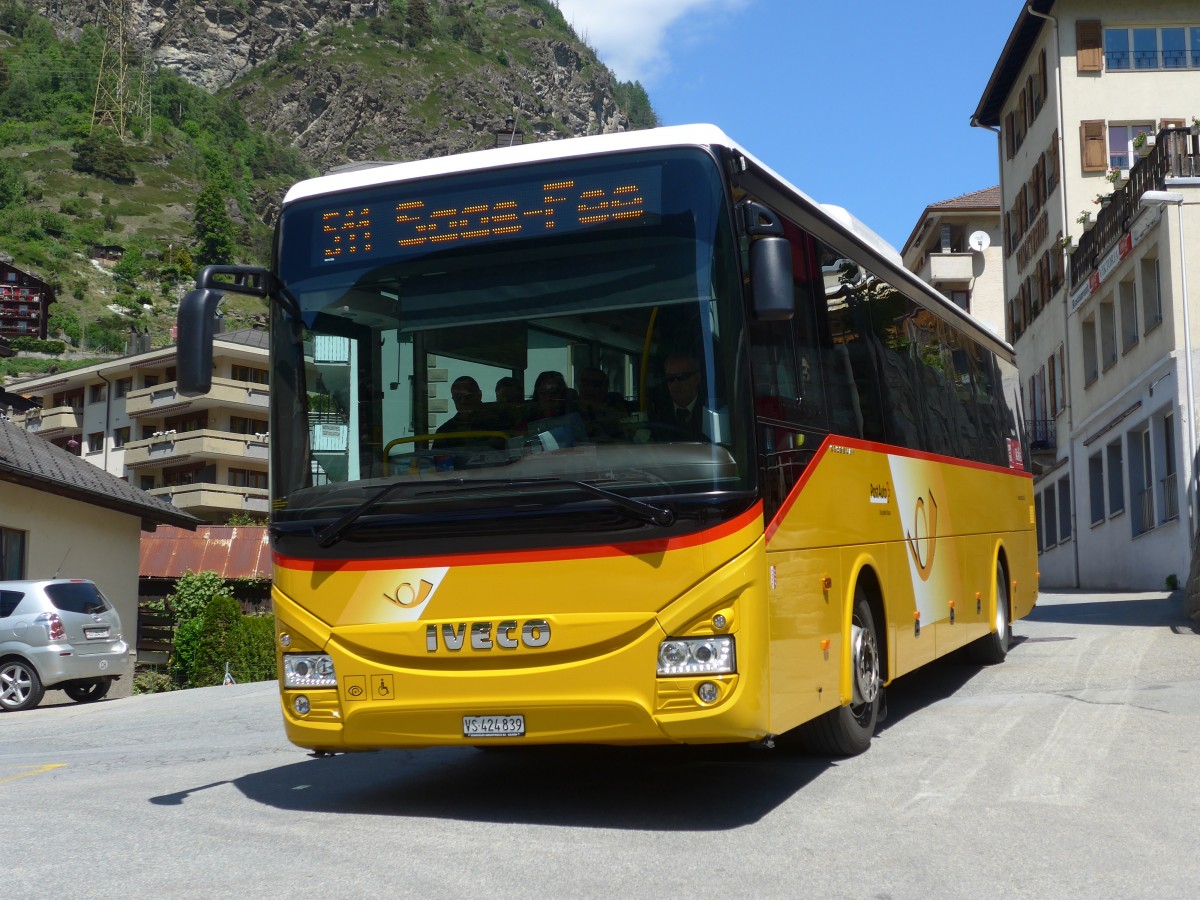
(1042, 435)
(1176, 153)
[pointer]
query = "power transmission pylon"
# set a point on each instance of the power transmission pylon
(113, 100)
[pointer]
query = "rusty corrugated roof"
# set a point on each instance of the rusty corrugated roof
(232, 551)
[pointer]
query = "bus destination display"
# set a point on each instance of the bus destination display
(394, 226)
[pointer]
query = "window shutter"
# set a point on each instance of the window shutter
(1042, 74)
(1092, 145)
(1010, 144)
(1089, 46)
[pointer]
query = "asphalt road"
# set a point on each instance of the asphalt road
(1071, 770)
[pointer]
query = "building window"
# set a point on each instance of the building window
(248, 479)
(1091, 362)
(149, 381)
(123, 386)
(120, 437)
(96, 393)
(1037, 514)
(1151, 300)
(1064, 509)
(95, 442)
(146, 482)
(1116, 478)
(1127, 294)
(12, 554)
(1096, 487)
(1121, 153)
(1170, 480)
(1108, 334)
(1147, 49)
(249, 373)
(245, 425)
(1050, 511)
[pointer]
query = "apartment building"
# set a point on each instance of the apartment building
(24, 303)
(1092, 104)
(205, 455)
(956, 246)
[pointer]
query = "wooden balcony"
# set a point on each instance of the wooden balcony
(1176, 153)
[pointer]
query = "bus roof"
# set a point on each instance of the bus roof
(369, 175)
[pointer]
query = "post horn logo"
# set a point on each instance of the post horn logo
(922, 546)
(407, 595)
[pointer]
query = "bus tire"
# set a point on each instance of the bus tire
(847, 730)
(992, 648)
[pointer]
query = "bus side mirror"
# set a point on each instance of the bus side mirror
(771, 279)
(198, 318)
(771, 285)
(194, 344)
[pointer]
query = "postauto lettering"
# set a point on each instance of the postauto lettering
(486, 636)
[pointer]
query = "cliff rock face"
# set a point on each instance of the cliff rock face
(343, 82)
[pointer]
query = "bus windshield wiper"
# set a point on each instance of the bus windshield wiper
(333, 532)
(639, 509)
(646, 512)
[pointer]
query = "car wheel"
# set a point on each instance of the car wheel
(20, 686)
(88, 691)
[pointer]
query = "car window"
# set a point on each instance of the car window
(77, 597)
(8, 602)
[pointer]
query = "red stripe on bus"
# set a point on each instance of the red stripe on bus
(597, 551)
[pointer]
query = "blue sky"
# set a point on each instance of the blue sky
(863, 103)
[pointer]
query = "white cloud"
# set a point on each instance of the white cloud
(631, 35)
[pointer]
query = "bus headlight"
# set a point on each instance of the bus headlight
(308, 670)
(696, 656)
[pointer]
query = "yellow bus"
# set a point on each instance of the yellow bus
(620, 439)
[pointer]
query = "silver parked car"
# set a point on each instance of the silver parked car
(61, 634)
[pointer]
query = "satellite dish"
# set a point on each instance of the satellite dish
(979, 241)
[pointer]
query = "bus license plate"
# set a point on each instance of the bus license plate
(493, 726)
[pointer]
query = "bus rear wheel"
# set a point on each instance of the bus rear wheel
(847, 730)
(992, 648)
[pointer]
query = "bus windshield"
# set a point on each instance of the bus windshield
(510, 339)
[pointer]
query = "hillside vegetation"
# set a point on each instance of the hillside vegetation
(200, 179)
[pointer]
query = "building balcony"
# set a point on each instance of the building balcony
(1176, 154)
(214, 502)
(173, 448)
(48, 423)
(1043, 436)
(225, 394)
(946, 267)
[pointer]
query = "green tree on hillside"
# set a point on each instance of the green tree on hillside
(104, 154)
(213, 228)
(12, 184)
(420, 22)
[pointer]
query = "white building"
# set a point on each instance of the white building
(1102, 326)
(204, 455)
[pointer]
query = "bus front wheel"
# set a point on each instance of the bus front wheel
(847, 730)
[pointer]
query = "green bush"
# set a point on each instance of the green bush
(192, 594)
(152, 681)
(182, 664)
(256, 650)
(221, 635)
(218, 642)
(37, 345)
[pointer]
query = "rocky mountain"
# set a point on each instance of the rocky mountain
(345, 81)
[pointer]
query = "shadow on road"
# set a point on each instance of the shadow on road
(661, 788)
(1089, 609)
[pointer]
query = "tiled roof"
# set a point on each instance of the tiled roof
(988, 198)
(250, 337)
(29, 460)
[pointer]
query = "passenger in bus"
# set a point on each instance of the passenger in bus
(603, 411)
(470, 414)
(554, 413)
(508, 390)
